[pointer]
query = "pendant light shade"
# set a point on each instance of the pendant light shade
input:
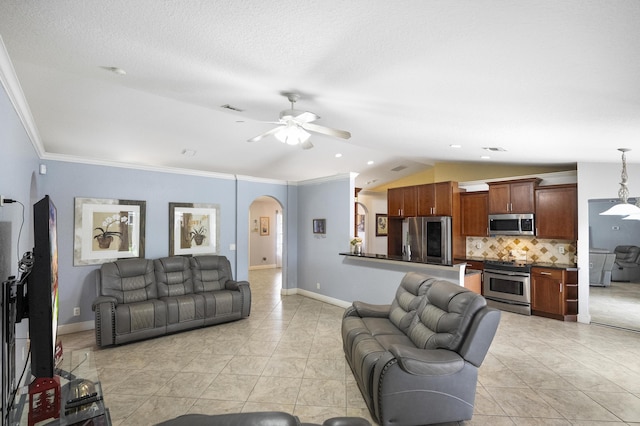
(623, 208)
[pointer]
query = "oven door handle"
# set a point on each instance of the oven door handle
(509, 274)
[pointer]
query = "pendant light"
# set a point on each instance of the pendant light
(623, 208)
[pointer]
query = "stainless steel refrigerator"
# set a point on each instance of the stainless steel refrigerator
(427, 239)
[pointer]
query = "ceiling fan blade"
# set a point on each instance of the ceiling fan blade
(306, 145)
(306, 117)
(265, 134)
(326, 130)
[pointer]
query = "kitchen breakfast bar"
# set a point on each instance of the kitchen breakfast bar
(455, 272)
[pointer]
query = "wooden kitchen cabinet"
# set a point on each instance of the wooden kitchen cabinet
(514, 196)
(554, 293)
(402, 202)
(436, 199)
(557, 212)
(474, 213)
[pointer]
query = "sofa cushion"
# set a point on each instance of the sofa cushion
(210, 273)
(443, 317)
(128, 280)
(410, 292)
(173, 276)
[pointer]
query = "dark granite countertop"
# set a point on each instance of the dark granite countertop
(566, 266)
(397, 258)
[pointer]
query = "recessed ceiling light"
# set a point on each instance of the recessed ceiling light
(485, 157)
(370, 162)
(455, 145)
(338, 155)
(115, 70)
(188, 152)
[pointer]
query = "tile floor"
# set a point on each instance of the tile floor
(617, 305)
(288, 356)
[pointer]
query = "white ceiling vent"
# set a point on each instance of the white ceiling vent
(494, 149)
(398, 168)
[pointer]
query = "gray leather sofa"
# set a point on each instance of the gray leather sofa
(416, 360)
(143, 298)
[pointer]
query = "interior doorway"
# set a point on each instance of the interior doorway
(266, 234)
(361, 221)
(614, 296)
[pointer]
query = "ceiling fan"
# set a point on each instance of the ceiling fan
(295, 125)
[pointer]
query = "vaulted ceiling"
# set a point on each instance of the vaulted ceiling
(541, 82)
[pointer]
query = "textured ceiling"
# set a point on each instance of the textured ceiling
(549, 81)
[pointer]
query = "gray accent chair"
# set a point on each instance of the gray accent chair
(141, 298)
(416, 360)
(627, 264)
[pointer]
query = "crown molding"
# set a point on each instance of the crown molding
(12, 86)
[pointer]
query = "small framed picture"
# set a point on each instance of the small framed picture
(319, 226)
(264, 225)
(381, 225)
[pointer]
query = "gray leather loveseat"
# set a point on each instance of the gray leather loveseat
(143, 298)
(416, 361)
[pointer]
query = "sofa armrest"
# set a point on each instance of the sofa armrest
(235, 285)
(103, 299)
(363, 309)
(427, 362)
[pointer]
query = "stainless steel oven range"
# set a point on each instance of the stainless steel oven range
(507, 286)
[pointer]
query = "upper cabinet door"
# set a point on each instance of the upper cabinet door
(402, 202)
(557, 212)
(436, 199)
(512, 197)
(473, 209)
(522, 197)
(499, 198)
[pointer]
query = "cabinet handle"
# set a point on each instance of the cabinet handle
(560, 287)
(545, 273)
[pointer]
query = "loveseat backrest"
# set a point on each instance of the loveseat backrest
(210, 273)
(173, 276)
(128, 280)
(444, 316)
(409, 294)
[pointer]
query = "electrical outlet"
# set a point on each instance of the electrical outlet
(76, 311)
(318, 286)
(561, 249)
(478, 245)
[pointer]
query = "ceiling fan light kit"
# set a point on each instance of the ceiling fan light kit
(295, 125)
(623, 208)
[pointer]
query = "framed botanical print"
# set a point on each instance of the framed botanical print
(381, 225)
(193, 229)
(107, 229)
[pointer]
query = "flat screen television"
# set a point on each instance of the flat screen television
(42, 290)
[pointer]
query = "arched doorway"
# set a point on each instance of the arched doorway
(266, 239)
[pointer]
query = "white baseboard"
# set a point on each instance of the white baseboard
(316, 296)
(254, 267)
(76, 327)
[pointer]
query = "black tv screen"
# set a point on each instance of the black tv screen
(42, 290)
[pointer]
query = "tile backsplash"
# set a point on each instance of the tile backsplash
(521, 248)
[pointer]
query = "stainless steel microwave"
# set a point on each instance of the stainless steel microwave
(512, 224)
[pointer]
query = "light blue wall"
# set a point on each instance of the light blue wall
(65, 181)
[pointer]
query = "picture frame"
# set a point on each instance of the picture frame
(382, 228)
(107, 229)
(319, 226)
(194, 228)
(264, 226)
